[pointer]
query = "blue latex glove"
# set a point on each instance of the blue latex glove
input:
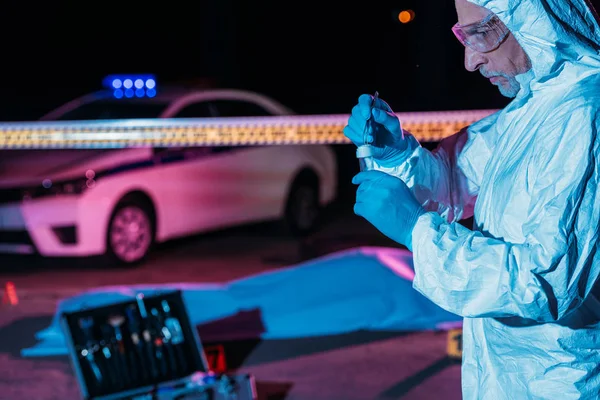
(386, 134)
(387, 203)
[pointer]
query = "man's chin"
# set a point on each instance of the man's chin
(506, 89)
(510, 93)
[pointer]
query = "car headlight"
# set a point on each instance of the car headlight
(49, 188)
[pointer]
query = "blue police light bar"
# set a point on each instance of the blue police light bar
(131, 85)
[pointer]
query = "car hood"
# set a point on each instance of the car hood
(20, 168)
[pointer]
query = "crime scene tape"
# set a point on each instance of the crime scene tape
(238, 131)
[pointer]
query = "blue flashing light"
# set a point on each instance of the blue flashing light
(130, 85)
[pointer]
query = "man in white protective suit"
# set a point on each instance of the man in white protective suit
(524, 278)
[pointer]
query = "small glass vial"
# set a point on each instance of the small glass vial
(364, 154)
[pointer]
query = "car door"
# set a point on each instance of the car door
(222, 186)
(260, 182)
(192, 194)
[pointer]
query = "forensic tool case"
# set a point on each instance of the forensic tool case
(145, 348)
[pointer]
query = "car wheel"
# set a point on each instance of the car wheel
(303, 210)
(130, 233)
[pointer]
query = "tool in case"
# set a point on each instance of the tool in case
(145, 349)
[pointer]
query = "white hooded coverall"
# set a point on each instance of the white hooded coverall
(523, 278)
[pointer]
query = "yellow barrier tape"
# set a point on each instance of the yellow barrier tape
(277, 130)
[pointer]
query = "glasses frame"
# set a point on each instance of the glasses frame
(490, 24)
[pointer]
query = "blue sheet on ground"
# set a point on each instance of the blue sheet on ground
(366, 288)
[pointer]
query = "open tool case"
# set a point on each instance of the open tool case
(144, 349)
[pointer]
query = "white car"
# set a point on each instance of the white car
(120, 202)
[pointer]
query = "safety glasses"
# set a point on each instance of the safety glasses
(483, 36)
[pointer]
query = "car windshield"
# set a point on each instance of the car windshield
(114, 109)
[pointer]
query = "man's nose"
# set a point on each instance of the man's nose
(473, 59)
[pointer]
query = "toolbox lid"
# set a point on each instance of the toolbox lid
(133, 347)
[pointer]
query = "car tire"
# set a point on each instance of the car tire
(130, 233)
(303, 209)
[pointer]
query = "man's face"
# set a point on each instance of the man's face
(500, 65)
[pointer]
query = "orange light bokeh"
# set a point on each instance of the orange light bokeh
(406, 16)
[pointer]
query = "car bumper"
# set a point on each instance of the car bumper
(59, 226)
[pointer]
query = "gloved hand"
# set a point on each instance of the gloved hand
(387, 203)
(386, 134)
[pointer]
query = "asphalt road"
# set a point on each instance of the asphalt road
(359, 366)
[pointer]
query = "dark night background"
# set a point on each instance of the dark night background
(316, 57)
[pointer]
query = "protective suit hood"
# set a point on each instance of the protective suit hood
(557, 35)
